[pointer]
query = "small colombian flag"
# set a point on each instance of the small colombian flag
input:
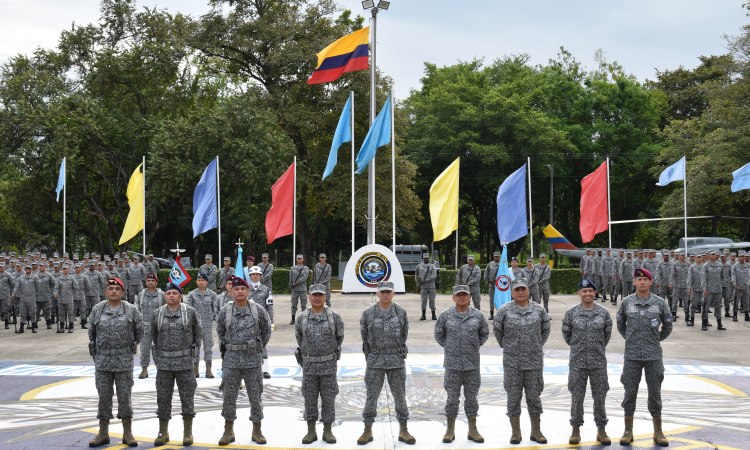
(348, 54)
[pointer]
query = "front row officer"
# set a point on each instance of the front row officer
(176, 332)
(115, 331)
(461, 330)
(244, 329)
(587, 328)
(644, 320)
(319, 331)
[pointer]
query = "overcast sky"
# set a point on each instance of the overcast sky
(639, 34)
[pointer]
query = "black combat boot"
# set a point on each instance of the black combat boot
(83, 324)
(690, 321)
(434, 317)
(33, 327)
(7, 324)
(674, 316)
(703, 324)
(292, 322)
(60, 327)
(726, 313)
(49, 325)
(747, 316)
(20, 329)
(423, 315)
(719, 327)
(70, 327)
(734, 317)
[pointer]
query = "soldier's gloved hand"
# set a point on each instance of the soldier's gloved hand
(273, 327)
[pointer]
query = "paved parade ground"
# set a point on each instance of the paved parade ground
(48, 398)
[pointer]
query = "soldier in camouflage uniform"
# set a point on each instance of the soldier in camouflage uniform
(244, 329)
(424, 276)
(122, 273)
(726, 284)
(607, 272)
(44, 300)
(543, 283)
(211, 272)
(597, 268)
(461, 331)
(266, 273)
(203, 301)
(583, 265)
(27, 289)
(65, 291)
(712, 280)
(320, 333)
(56, 274)
(262, 296)
(136, 278)
(587, 328)
(643, 320)
(531, 274)
(469, 274)
(662, 274)
(322, 275)
(116, 329)
(7, 284)
(490, 275)
(148, 302)
(741, 282)
(521, 328)
(176, 333)
(384, 328)
(224, 273)
(97, 286)
(650, 264)
(298, 284)
(695, 287)
(627, 266)
(678, 283)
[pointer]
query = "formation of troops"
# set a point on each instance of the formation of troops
(124, 310)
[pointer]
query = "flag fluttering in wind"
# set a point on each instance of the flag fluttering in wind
(741, 178)
(134, 223)
(348, 54)
(343, 134)
(675, 172)
(178, 275)
(379, 135)
(594, 214)
(511, 207)
(205, 212)
(502, 281)
(444, 202)
(61, 180)
(280, 218)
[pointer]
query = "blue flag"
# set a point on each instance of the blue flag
(178, 275)
(675, 172)
(502, 281)
(379, 135)
(61, 180)
(741, 178)
(511, 207)
(205, 212)
(343, 134)
(238, 272)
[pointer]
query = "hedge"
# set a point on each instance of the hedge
(562, 281)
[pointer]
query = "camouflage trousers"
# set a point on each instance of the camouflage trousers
(43, 308)
(476, 297)
(627, 288)
(27, 309)
(680, 295)
(607, 283)
(232, 378)
(663, 292)
(374, 379)
(615, 286)
(653, 289)
(577, 379)
(328, 294)
(515, 382)
(544, 294)
(207, 342)
(79, 307)
(534, 294)
(726, 294)
(65, 313)
(91, 301)
(301, 297)
(713, 299)
(491, 289)
(186, 385)
(597, 279)
(123, 382)
(325, 387)
(741, 299)
(269, 310)
(427, 294)
(5, 308)
(145, 358)
(471, 380)
(631, 379)
(696, 300)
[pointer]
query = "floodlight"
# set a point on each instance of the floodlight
(367, 4)
(382, 4)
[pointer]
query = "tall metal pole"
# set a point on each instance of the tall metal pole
(144, 205)
(393, 171)
(551, 194)
(353, 223)
(459, 185)
(609, 210)
(531, 220)
(218, 206)
(294, 221)
(65, 197)
(373, 99)
(684, 198)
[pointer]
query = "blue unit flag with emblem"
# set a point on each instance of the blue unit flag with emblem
(502, 280)
(178, 275)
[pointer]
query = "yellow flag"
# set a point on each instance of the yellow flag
(134, 224)
(444, 202)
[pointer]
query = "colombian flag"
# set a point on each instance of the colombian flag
(348, 54)
(557, 240)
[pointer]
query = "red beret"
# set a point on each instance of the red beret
(237, 281)
(642, 273)
(114, 281)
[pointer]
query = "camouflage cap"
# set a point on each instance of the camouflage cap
(317, 289)
(264, 255)
(461, 288)
(425, 255)
(518, 282)
(470, 257)
(385, 286)
(496, 254)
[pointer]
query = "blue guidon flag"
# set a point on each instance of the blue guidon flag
(502, 280)
(178, 275)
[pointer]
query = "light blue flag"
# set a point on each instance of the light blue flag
(511, 207)
(343, 134)
(675, 172)
(238, 269)
(741, 178)
(205, 212)
(61, 180)
(379, 134)
(502, 280)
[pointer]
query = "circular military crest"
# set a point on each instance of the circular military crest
(373, 267)
(503, 283)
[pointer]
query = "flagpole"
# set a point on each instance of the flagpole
(144, 205)
(65, 195)
(531, 222)
(609, 211)
(294, 221)
(352, 120)
(393, 171)
(218, 206)
(457, 187)
(373, 100)
(684, 198)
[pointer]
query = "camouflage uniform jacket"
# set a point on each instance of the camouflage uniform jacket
(322, 274)
(385, 333)
(97, 284)
(203, 304)
(427, 273)
(461, 335)
(319, 341)
(469, 275)
(544, 273)
(148, 302)
(211, 271)
(65, 289)
(266, 277)
(242, 331)
(695, 277)
(712, 276)
(124, 275)
(490, 272)
(644, 322)
(223, 274)
(117, 332)
(627, 267)
(173, 336)
(27, 288)
(587, 331)
(7, 284)
(678, 277)
(46, 287)
(522, 332)
(726, 274)
(136, 276)
(741, 276)
(607, 267)
(663, 273)
(298, 275)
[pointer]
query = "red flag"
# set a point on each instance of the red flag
(594, 216)
(280, 218)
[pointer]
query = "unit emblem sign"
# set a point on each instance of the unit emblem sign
(503, 282)
(373, 267)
